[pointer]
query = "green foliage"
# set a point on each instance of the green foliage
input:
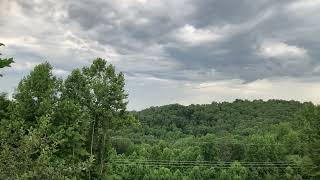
(99, 91)
(4, 106)
(55, 129)
(240, 140)
(36, 94)
(5, 62)
(310, 118)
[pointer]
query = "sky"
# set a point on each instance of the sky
(172, 51)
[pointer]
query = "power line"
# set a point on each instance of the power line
(216, 164)
(199, 165)
(226, 162)
(202, 164)
(201, 142)
(208, 165)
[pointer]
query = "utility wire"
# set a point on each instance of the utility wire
(199, 165)
(203, 142)
(278, 164)
(215, 164)
(154, 160)
(204, 164)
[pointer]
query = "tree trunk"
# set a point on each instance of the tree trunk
(102, 153)
(92, 135)
(91, 146)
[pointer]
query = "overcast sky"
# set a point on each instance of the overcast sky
(172, 51)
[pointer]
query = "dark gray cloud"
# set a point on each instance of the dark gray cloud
(134, 26)
(183, 41)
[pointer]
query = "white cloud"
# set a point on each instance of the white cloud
(278, 49)
(229, 90)
(86, 46)
(59, 72)
(195, 36)
(192, 35)
(20, 40)
(304, 5)
(161, 92)
(23, 66)
(306, 14)
(27, 66)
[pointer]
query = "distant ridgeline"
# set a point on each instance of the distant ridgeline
(241, 117)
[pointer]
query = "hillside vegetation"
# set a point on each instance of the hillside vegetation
(239, 140)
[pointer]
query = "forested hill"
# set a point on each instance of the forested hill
(258, 139)
(241, 117)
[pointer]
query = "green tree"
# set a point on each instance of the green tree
(43, 135)
(310, 135)
(178, 175)
(36, 94)
(4, 106)
(59, 130)
(237, 171)
(100, 91)
(195, 173)
(5, 62)
(71, 124)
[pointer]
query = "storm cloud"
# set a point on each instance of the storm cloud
(181, 51)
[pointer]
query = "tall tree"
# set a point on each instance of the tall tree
(100, 90)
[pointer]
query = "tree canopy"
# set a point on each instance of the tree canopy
(58, 129)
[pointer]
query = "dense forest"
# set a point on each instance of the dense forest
(257, 139)
(79, 128)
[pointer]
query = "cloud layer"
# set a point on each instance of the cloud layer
(183, 51)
